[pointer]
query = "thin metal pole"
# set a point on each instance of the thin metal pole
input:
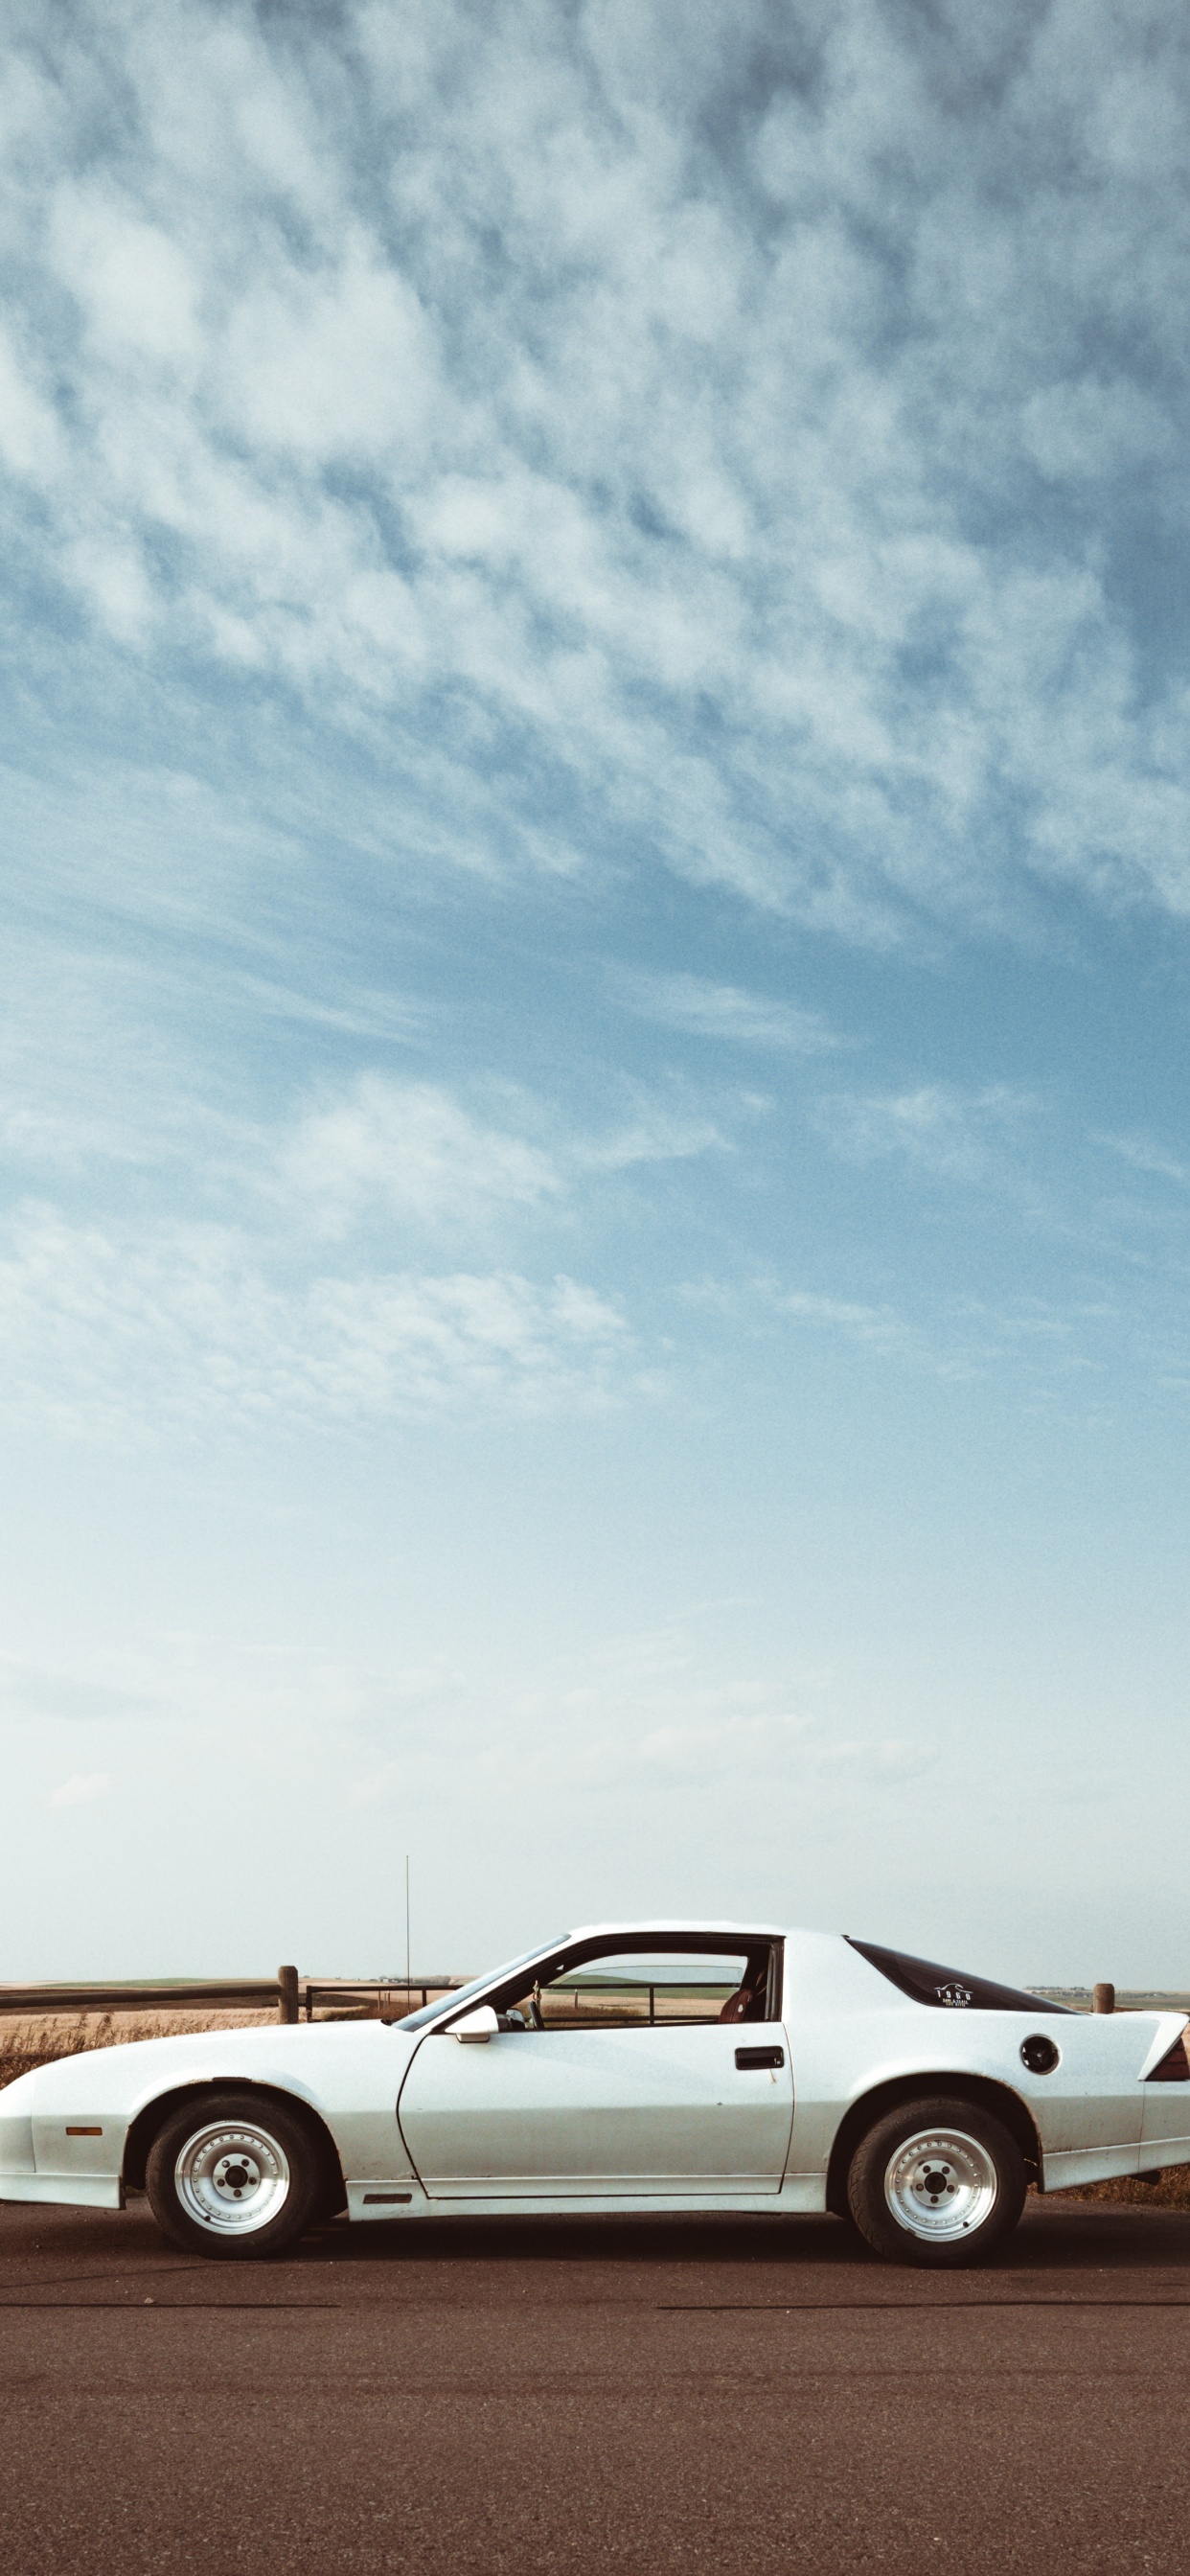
(408, 1945)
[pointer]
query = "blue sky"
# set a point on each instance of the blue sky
(593, 1097)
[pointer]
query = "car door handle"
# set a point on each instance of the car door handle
(749, 2057)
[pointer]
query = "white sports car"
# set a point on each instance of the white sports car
(627, 2067)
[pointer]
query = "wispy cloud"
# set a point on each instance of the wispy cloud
(647, 1710)
(959, 1135)
(708, 438)
(81, 1789)
(412, 1148)
(697, 1007)
(877, 1328)
(416, 1153)
(112, 1330)
(654, 1135)
(946, 1345)
(1152, 1159)
(1040, 1343)
(372, 1262)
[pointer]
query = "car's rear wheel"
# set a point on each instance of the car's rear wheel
(234, 2175)
(937, 2182)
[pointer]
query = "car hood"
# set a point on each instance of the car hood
(314, 2059)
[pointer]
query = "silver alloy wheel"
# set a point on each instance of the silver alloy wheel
(232, 2177)
(941, 2184)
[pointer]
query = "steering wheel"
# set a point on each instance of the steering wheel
(535, 2013)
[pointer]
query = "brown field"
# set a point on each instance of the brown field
(1171, 2191)
(34, 2041)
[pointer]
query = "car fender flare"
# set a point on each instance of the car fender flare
(143, 2128)
(986, 2090)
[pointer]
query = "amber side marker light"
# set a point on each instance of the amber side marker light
(84, 2133)
(1174, 2067)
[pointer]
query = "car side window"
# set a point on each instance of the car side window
(634, 1989)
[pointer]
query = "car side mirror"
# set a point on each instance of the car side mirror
(480, 2024)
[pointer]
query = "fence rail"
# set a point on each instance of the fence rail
(293, 1996)
(287, 1993)
(368, 1990)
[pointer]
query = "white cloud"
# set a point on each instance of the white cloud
(324, 1295)
(878, 1328)
(699, 439)
(341, 364)
(954, 1338)
(31, 440)
(656, 1135)
(411, 1148)
(81, 1789)
(111, 1328)
(947, 1346)
(1146, 1157)
(648, 1712)
(698, 1007)
(959, 1135)
(413, 1151)
(134, 283)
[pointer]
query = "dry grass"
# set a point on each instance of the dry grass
(1170, 2191)
(44, 2036)
(35, 2040)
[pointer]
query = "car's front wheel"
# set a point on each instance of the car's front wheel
(936, 2182)
(235, 2175)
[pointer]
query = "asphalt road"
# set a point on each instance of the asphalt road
(633, 2397)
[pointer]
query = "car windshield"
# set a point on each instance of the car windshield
(478, 1986)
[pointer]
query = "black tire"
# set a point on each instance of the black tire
(938, 2182)
(234, 2175)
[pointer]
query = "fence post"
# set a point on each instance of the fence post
(1105, 1998)
(287, 1980)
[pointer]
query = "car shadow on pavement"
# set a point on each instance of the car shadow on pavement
(1061, 2235)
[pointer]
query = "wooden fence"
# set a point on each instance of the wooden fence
(288, 1993)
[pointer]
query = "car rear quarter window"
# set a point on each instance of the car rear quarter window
(950, 1989)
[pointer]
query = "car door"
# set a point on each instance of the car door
(614, 2079)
